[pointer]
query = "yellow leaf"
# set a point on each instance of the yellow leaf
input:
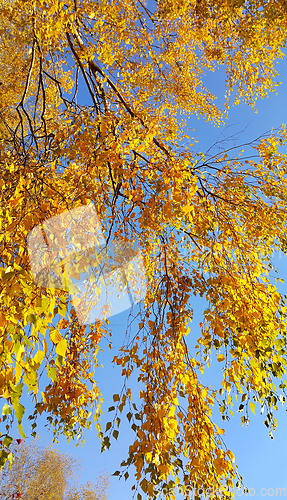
(231, 456)
(141, 434)
(45, 345)
(252, 407)
(92, 278)
(55, 336)
(3, 321)
(63, 323)
(61, 347)
(220, 357)
(5, 376)
(171, 411)
(28, 221)
(220, 431)
(20, 352)
(18, 373)
(187, 209)
(102, 280)
(39, 357)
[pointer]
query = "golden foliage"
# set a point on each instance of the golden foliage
(142, 71)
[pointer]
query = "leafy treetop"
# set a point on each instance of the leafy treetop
(142, 67)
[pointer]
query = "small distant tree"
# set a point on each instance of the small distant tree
(43, 473)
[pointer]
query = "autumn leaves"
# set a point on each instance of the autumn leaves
(96, 117)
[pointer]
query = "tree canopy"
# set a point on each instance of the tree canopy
(42, 472)
(94, 102)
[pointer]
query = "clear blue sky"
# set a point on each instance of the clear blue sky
(262, 462)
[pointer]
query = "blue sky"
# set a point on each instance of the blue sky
(261, 461)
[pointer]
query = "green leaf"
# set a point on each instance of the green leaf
(62, 347)
(6, 410)
(10, 458)
(52, 373)
(21, 432)
(19, 412)
(59, 361)
(32, 319)
(3, 458)
(30, 379)
(117, 473)
(7, 441)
